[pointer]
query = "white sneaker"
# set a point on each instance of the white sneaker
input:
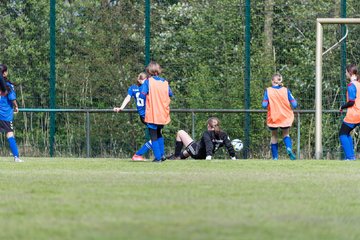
(16, 159)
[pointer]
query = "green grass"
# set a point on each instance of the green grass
(218, 199)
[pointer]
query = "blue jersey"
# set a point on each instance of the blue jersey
(140, 99)
(6, 105)
(351, 91)
(145, 86)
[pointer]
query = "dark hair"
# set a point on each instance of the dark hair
(3, 68)
(214, 123)
(352, 69)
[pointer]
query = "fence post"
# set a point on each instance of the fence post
(87, 134)
(247, 78)
(147, 32)
(343, 50)
(52, 79)
(343, 58)
(193, 125)
(298, 136)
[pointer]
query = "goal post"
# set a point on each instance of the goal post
(318, 76)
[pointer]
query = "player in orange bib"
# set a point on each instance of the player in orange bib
(352, 118)
(157, 114)
(278, 100)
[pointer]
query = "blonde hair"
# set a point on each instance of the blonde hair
(277, 79)
(141, 76)
(214, 123)
(153, 69)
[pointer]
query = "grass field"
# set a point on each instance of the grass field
(219, 199)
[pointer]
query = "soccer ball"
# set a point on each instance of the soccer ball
(237, 144)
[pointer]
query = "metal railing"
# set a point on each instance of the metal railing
(191, 111)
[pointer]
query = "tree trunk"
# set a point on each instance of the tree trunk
(268, 35)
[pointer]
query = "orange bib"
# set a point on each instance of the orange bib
(158, 103)
(353, 113)
(279, 113)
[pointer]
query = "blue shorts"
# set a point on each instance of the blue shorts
(154, 126)
(351, 125)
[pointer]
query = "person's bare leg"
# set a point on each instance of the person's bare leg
(184, 137)
(274, 138)
(285, 132)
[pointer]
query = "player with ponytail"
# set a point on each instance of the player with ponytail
(8, 106)
(278, 100)
(157, 113)
(352, 118)
(212, 139)
(140, 99)
(3, 68)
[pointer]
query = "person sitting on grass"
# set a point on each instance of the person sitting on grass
(212, 139)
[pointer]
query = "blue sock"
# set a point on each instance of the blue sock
(347, 144)
(156, 149)
(161, 145)
(351, 144)
(13, 146)
(288, 143)
(144, 149)
(274, 150)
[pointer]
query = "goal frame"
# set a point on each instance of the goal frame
(318, 76)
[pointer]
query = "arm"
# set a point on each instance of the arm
(347, 105)
(292, 100)
(265, 101)
(16, 107)
(351, 92)
(170, 92)
(144, 90)
(208, 145)
(123, 105)
(11, 95)
(229, 147)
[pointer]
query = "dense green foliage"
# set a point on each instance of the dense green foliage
(200, 44)
(118, 199)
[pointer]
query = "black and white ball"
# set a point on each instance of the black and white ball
(237, 144)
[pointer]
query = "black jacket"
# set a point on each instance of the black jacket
(210, 143)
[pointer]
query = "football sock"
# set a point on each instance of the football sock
(288, 143)
(182, 156)
(274, 150)
(13, 146)
(156, 149)
(347, 146)
(178, 147)
(161, 146)
(351, 145)
(144, 149)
